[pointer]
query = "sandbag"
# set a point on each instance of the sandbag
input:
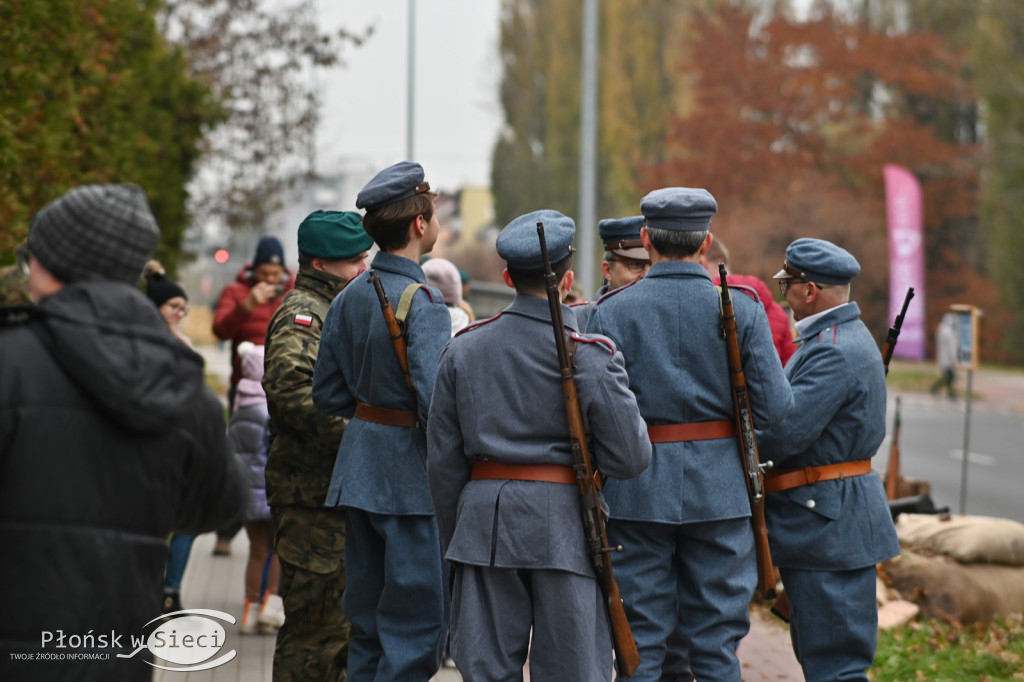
(968, 539)
(895, 614)
(961, 593)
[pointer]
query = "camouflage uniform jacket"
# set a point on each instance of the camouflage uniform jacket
(302, 457)
(13, 286)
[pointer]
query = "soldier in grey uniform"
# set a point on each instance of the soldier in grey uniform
(309, 538)
(625, 260)
(501, 475)
(396, 596)
(687, 569)
(826, 510)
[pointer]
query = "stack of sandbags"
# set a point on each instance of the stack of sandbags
(893, 610)
(968, 539)
(964, 568)
(912, 487)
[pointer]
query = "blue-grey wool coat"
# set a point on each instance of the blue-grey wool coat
(380, 468)
(839, 389)
(667, 326)
(499, 397)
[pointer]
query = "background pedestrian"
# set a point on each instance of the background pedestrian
(248, 436)
(945, 355)
(170, 299)
(243, 312)
(778, 319)
(442, 274)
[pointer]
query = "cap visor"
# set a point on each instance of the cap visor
(639, 253)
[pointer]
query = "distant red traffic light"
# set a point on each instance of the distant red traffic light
(221, 256)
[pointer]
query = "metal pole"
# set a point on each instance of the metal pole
(313, 142)
(967, 438)
(586, 221)
(411, 96)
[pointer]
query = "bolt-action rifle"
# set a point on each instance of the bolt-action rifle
(747, 440)
(394, 329)
(627, 658)
(894, 332)
(892, 474)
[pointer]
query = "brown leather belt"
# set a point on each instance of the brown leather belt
(545, 473)
(386, 415)
(784, 479)
(675, 433)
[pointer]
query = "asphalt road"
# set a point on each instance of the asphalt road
(931, 445)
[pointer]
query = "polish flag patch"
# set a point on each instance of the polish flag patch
(304, 320)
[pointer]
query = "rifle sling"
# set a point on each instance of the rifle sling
(675, 433)
(405, 303)
(784, 479)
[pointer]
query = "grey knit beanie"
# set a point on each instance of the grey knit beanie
(95, 232)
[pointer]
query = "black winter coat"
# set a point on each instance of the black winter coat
(109, 441)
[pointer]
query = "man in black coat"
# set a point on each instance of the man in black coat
(109, 441)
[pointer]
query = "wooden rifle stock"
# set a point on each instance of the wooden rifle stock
(627, 658)
(894, 332)
(892, 472)
(394, 329)
(749, 456)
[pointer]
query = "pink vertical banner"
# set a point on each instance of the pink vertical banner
(905, 213)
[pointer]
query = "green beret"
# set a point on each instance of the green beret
(333, 235)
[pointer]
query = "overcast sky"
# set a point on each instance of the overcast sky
(457, 116)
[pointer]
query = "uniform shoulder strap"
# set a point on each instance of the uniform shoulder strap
(405, 302)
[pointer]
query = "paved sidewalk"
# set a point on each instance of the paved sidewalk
(994, 388)
(218, 583)
(997, 389)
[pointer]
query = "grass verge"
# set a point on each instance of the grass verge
(939, 652)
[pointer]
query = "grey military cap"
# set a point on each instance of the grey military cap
(519, 245)
(400, 181)
(817, 260)
(622, 236)
(679, 208)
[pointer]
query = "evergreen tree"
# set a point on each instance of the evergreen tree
(90, 92)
